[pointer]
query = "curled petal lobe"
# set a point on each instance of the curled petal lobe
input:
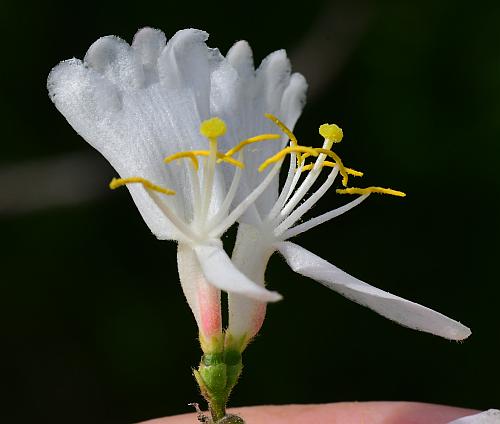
(273, 76)
(220, 271)
(186, 64)
(294, 99)
(240, 56)
(148, 44)
(404, 312)
(114, 58)
(82, 94)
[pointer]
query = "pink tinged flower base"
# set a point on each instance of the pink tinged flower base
(251, 255)
(202, 297)
(209, 308)
(259, 314)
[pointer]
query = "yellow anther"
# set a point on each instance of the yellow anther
(329, 164)
(224, 158)
(180, 155)
(194, 153)
(368, 190)
(287, 131)
(353, 172)
(283, 128)
(292, 149)
(213, 128)
(304, 157)
(256, 139)
(118, 182)
(338, 161)
(331, 132)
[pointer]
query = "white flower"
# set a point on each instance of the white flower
(272, 220)
(139, 104)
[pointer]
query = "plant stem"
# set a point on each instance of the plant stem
(217, 409)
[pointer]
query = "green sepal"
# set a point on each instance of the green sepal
(215, 378)
(217, 374)
(234, 365)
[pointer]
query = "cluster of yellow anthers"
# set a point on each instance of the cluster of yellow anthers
(215, 127)
(212, 129)
(332, 134)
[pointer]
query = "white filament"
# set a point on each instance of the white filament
(243, 206)
(290, 184)
(313, 222)
(308, 204)
(226, 204)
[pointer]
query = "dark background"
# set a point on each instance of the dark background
(95, 327)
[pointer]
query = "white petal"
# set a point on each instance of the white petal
(220, 271)
(395, 308)
(492, 416)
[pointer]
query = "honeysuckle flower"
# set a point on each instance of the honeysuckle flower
(273, 219)
(141, 103)
(153, 109)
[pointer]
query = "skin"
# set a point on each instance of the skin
(339, 413)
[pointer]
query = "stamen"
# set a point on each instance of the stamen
(251, 140)
(231, 193)
(196, 195)
(287, 131)
(308, 204)
(337, 159)
(306, 226)
(281, 154)
(373, 189)
(212, 129)
(193, 153)
(308, 182)
(180, 155)
(290, 183)
(329, 164)
(118, 182)
(184, 229)
(246, 203)
(283, 128)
